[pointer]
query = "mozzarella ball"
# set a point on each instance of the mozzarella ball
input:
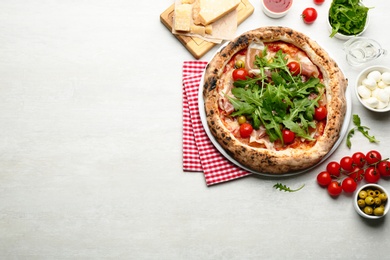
(381, 84)
(369, 83)
(382, 105)
(371, 102)
(387, 90)
(381, 95)
(375, 75)
(386, 77)
(375, 93)
(364, 92)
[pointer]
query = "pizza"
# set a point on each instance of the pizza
(274, 100)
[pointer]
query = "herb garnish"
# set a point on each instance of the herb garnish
(281, 101)
(361, 129)
(284, 188)
(347, 17)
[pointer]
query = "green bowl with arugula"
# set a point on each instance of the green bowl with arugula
(347, 18)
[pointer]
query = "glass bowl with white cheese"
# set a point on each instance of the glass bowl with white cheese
(373, 88)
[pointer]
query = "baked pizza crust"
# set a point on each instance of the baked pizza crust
(289, 160)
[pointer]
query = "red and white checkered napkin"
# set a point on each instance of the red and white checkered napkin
(199, 154)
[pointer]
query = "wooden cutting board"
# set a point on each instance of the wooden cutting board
(196, 46)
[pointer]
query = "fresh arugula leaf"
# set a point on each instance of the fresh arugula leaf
(246, 95)
(305, 124)
(362, 129)
(246, 83)
(356, 120)
(347, 17)
(300, 105)
(279, 61)
(280, 102)
(241, 108)
(256, 118)
(349, 136)
(298, 130)
(312, 85)
(285, 188)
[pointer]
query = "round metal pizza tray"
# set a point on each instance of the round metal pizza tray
(343, 132)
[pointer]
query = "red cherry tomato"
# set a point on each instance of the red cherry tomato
(333, 168)
(320, 113)
(294, 67)
(371, 175)
(349, 185)
(240, 74)
(373, 157)
(357, 174)
(288, 136)
(309, 15)
(324, 178)
(246, 130)
(384, 168)
(319, 2)
(334, 188)
(359, 159)
(346, 163)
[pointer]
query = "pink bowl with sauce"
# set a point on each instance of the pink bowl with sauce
(276, 8)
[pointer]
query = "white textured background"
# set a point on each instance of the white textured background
(90, 146)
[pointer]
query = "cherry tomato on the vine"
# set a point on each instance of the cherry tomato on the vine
(240, 74)
(319, 2)
(384, 168)
(288, 136)
(357, 174)
(371, 175)
(334, 188)
(324, 178)
(359, 159)
(346, 163)
(333, 168)
(320, 113)
(349, 185)
(309, 15)
(294, 67)
(246, 130)
(373, 157)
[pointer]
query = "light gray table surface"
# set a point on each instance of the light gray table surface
(91, 150)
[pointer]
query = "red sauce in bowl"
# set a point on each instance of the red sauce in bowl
(277, 6)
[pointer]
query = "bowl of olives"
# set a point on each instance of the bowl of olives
(370, 201)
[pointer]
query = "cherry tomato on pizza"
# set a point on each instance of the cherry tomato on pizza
(240, 74)
(246, 130)
(288, 136)
(320, 113)
(309, 15)
(334, 188)
(373, 156)
(371, 175)
(384, 168)
(349, 185)
(294, 67)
